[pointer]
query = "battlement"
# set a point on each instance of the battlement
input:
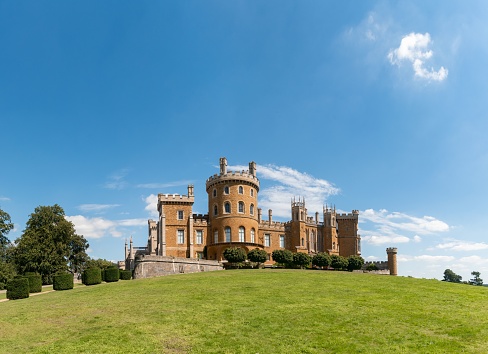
(348, 216)
(175, 198)
(200, 219)
(277, 225)
(233, 176)
(393, 250)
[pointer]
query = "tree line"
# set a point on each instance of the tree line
(48, 245)
(452, 277)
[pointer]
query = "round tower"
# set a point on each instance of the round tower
(392, 260)
(232, 209)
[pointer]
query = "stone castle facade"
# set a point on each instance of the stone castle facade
(234, 219)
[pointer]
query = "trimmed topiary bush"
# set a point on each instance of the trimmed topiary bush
(92, 276)
(125, 274)
(63, 281)
(35, 282)
(111, 274)
(18, 288)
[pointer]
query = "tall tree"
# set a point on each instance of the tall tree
(476, 280)
(49, 244)
(7, 270)
(5, 226)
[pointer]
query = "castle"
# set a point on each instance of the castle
(235, 220)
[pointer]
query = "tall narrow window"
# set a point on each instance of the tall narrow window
(267, 240)
(242, 234)
(181, 236)
(282, 241)
(251, 209)
(199, 237)
(252, 236)
(241, 190)
(180, 214)
(216, 236)
(214, 192)
(252, 192)
(226, 190)
(227, 234)
(216, 210)
(227, 207)
(241, 207)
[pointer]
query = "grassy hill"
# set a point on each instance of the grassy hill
(252, 311)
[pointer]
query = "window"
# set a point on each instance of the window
(241, 190)
(359, 246)
(180, 214)
(199, 237)
(241, 207)
(267, 240)
(282, 241)
(226, 190)
(214, 192)
(227, 234)
(216, 236)
(303, 242)
(216, 210)
(242, 233)
(227, 207)
(252, 192)
(252, 235)
(181, 236)
(333, 246)
(251, 209)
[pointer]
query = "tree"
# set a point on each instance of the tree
(284, 257)
(5, 226)
(321, 260)
(301, 259)
(49, 244)
(257, 255)
(7, 270)
(452, 277)
(234, 254)
(354, 263)
(476, 280)
(338, 262)
(372, 266)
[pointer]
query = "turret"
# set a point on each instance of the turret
(392, 260)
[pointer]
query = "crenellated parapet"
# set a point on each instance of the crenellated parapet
(175, 199)
(200, 219)
(244, 176)
(348, 216)
(276, 225)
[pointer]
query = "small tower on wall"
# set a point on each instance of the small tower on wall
(392, 260)
(331, 243)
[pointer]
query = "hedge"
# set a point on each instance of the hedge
(111, 274)
(125, 274)
(92, 276)
(63, 281)
(18, 288)
(35, 282)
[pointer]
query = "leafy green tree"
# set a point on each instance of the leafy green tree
(5, 226)
(257, 255)
(452, 277)
(476, 280)
(321, 260)
(301, 259)
(234, 254)
(49, 244)
(338, 262)
(354, 263)
(98, 263)
(284, 257)
(7, 270)
(372, 266)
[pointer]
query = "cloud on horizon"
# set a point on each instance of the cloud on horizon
(98, 227)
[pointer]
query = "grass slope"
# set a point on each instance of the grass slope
(252, 311)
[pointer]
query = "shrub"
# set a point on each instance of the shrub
(92, 276)
(301, 259)
(338, 262)
(257, 255)
(111, 274)
(35, 282)
(354, 263)
(63, 281)
(234, 254)
(371, 267)
(18, 288)
(284, 257)
(321, 260)
(125, 274)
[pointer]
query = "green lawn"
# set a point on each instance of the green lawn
(252, 311)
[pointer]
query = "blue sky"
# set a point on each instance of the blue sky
(373, 105)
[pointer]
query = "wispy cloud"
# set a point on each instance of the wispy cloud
(116, 180)
(164, 185)
(96, 207)
(414, 48)
(291, 183)
(100, 227)
(461, 245)
(4, 199)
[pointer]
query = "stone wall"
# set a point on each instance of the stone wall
(147, 266)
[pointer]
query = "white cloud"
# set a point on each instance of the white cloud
(414, 49)
(4, 199)
(433, 259)
(417, 239)
(152, 205)
(116, 180)
(292, 183)
(96, 207)
(458, 245)
(99, 227)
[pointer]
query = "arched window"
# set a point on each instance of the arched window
(252, 192)
(216, 236)
(216, 210)
(251, 209)
(303, 242)
(241, 190)
(242, 233)
(241, 207)
(214, 192)
(226, 190)
(252, 236)
(227, 207)
(227, 234)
